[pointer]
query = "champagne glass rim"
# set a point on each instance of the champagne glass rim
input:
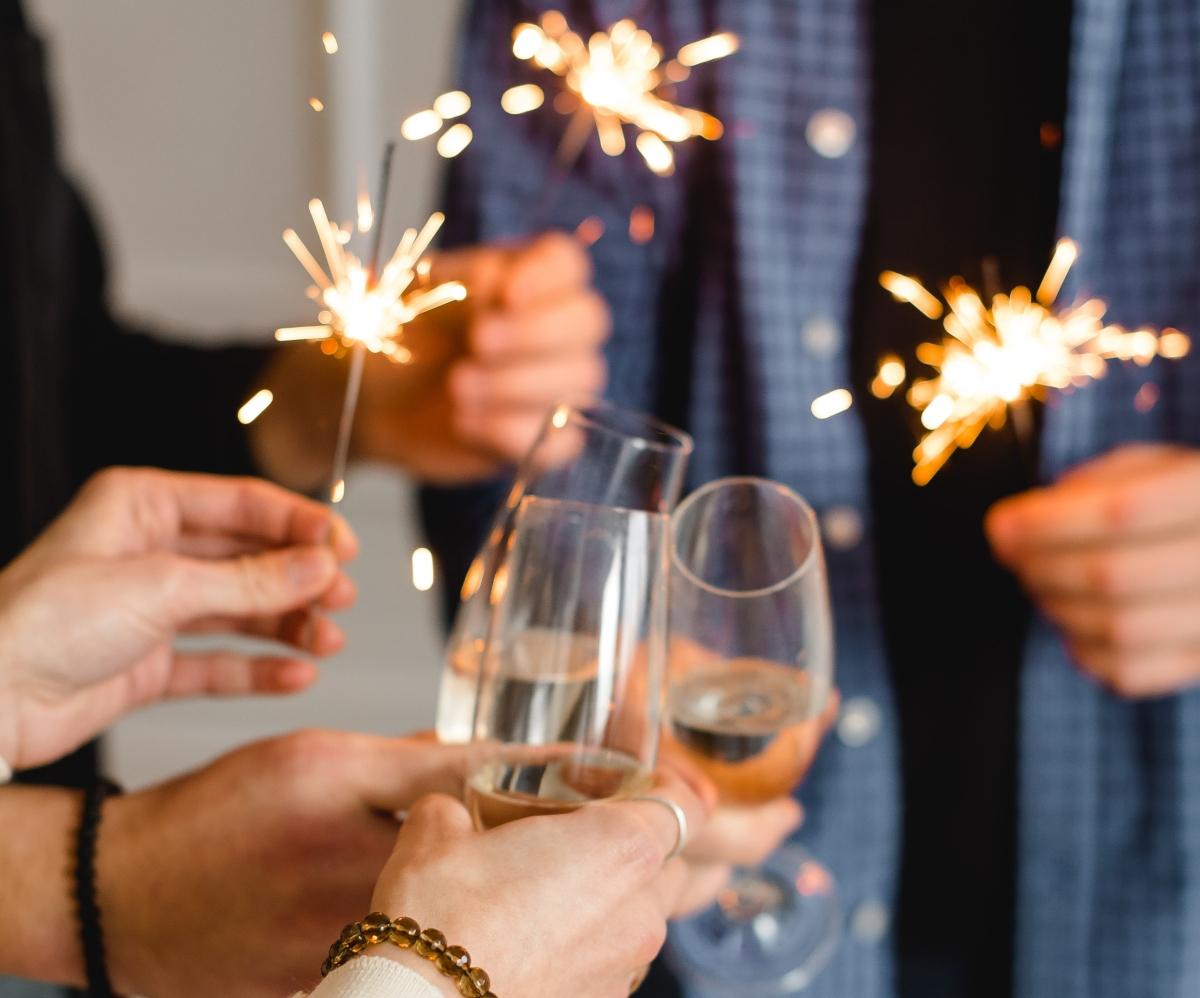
(788, 493)
(644, 430)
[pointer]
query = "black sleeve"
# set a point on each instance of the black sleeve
(136, 399)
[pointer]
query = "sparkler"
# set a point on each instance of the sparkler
(617, 78)
(447, 107)
(365, 309)
(996, 359)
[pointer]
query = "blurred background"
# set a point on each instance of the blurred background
(189, 128)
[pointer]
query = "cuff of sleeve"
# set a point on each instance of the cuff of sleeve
(375, 977)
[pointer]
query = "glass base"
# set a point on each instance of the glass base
(771, 932)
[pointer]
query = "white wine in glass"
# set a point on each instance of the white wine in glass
(750, 673)
(593, 453)
(747, 724)
(570, 676)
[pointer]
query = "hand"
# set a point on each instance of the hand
(1111, 554)
(236, 879)
(88, 613)
(484, 372)
(573, 904)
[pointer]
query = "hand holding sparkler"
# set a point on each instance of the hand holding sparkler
(482, 375)
(365, 309)
(1111, 554)
(531, 333)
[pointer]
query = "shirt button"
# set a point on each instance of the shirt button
(1050, 135)
(859, 722)
(843, 527)
(870, 921)
(831, 133)
(822, 337)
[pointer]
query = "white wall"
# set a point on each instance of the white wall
(189, 127)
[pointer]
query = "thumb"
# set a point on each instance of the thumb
(480, 268)
(253, 585)
(432, 823)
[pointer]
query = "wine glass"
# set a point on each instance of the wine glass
(592, 453)
(750, 669)
(571, 676)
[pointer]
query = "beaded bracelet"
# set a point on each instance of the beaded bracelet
(87, 908)
(452, 961)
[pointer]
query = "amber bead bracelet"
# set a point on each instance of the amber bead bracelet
(452, 961)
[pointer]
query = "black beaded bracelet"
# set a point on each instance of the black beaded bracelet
(91, 936)
(453, 961)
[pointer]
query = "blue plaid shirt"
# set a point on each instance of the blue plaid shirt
(1108, 901)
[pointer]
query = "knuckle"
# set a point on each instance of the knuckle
(467, 386)
(640, 852)
(254, 582)
(629, 841)
(171, 576)
(1104, 575)
(1123, 629)
(513, 437)
(649, 933)
(597, 376)
(110, 479)
(431, 807)
(599, 314)
(119, 482)
(1123, 680)
(568, 253)
(297, 755)
(1119, 511)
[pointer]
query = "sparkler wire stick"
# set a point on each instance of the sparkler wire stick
(358, 358)
(565, 157)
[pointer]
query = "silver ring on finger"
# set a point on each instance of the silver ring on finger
(680, 820)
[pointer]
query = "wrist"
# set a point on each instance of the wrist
(9, 697)
(125, 898)
(38, 935)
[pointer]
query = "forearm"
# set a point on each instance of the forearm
(38, 937)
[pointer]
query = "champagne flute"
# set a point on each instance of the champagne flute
(571, 676)
(592, 453)
(750, 671)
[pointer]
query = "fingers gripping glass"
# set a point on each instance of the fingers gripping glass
(750, 669)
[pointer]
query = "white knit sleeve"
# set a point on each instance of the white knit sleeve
(374, 977)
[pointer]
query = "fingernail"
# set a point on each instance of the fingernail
(308, 566)
(999, 525)
(341, 537)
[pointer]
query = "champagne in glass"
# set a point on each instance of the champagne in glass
(748, 725)
(594, 453)
(568, 709)
(751, 670)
